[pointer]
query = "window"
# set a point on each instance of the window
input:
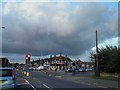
(5, 72)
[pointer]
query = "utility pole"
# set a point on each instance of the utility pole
(97, 61)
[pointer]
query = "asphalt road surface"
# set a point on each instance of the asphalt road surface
(42, 80)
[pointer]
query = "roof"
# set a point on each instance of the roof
(58, 58)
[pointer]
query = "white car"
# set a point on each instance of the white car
(88, 69)
(70, 70)
(81, 70)
(31, 68)
(40, 68)
(7, 78)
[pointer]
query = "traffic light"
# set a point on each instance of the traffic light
(27, 58)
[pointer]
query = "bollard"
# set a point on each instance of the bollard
(28, 74)
(25, 72)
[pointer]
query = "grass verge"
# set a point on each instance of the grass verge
(107, 76)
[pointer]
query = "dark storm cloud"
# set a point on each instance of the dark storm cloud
(54, 27)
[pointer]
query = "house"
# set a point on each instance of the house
(83, 64)
(60, 62)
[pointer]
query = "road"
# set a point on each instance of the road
(42, 80)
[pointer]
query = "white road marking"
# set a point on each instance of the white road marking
(30, 85)
(88, 83)
(50, 75)
(22, 84)
(95, 83)
(102, 87)
(47, 87)
(58, 76)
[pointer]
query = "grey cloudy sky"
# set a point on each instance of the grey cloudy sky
(51, 27)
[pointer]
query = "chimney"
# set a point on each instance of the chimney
(60, 57)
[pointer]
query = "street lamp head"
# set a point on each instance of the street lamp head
(3, 27)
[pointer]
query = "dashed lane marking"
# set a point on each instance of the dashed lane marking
(22, 84)
(30, 85)
(102, 87)
(58, 76)
(47, 87)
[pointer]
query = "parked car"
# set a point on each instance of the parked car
(81, 70)
(7, 78)
(88, 69)
(31, 68)
(70, 70)
(41, 68)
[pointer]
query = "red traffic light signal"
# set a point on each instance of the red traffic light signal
(28, 55)
(26, 58)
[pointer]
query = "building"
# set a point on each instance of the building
(83, 64)
(60, 62)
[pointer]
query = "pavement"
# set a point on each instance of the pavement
(84, 78)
